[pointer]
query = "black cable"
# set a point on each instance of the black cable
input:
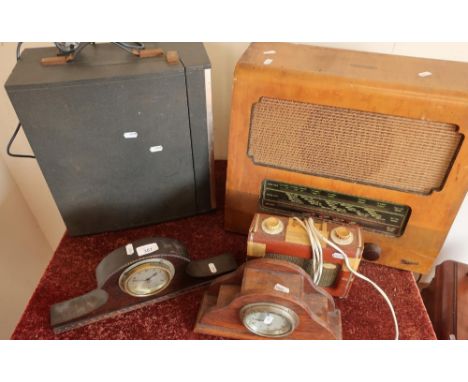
(11, 142)
(18, 53)
(66, 48)
(80, 47)
(129, 47)
(133, 45)
(12, 139)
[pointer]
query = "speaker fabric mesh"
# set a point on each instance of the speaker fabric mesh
(388, 151)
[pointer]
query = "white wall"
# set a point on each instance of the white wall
(26, 172)
(24, 249)
(223, 57)
(24, 253)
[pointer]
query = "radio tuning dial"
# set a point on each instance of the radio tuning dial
(272, 225)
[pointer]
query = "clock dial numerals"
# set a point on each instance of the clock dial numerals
(147, 277)
(268, 319)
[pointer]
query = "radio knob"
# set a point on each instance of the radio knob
(371, 251)
(342, 235)
(272, 225)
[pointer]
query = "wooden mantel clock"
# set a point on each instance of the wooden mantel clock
(265, 299)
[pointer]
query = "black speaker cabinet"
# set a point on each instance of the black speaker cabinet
(122, 141)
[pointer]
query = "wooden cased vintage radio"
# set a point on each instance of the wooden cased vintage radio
(365, 138)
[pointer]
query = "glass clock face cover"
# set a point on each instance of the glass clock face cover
(147, 277)
(269, 320)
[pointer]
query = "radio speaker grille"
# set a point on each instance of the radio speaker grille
(388, 151)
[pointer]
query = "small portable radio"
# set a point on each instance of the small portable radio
(284, 238)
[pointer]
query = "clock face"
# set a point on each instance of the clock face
(147, 277)
(268, 319)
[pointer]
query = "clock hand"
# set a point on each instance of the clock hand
(149, 278)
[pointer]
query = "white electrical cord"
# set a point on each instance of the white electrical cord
(317, 260)
(317, 253)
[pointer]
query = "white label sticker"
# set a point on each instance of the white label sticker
(281, 288)
(156, 149)
(147, 249)
(212, 268)
(424, 74)
(268, 61)
(130, 135)
(129, 249)
(268, 319)
(337, 255)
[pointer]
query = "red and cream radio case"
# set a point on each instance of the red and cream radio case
(283, 238)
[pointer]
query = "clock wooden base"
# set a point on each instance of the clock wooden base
(274, 282)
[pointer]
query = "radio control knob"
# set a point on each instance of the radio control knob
(272, 225)
(371, 251)
(342, 235)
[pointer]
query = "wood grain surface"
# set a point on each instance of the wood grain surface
(361, 81)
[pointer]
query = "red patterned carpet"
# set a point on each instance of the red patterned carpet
(71, 273)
